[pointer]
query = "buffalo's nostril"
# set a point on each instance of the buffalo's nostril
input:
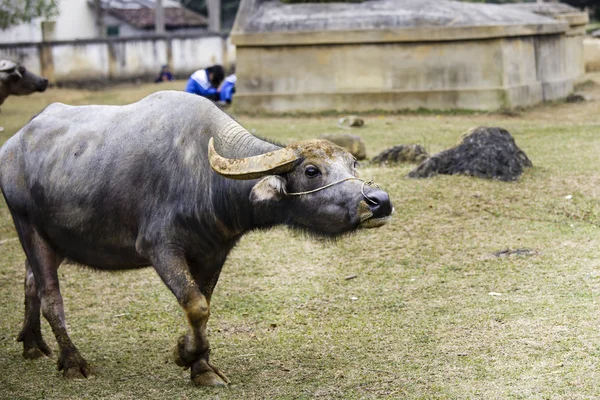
(380, 204)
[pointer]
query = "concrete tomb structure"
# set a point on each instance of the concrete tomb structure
(574, 36)
(401, 54)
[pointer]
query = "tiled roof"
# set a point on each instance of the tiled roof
(143, 18)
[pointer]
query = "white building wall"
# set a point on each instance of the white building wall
(22, 33)
(76, 20)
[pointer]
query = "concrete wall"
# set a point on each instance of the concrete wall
(591, 51)
(190, 52)
(130, 59)
(120, 59)
(506, 72)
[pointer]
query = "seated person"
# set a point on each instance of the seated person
(228, 89)
(165, 75)
(205, 82)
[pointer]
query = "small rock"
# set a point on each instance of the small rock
(353, 298)
(517, 252)
(353, 143)
(351, 121)
(404, 153)
(576, 98)
(495, 294)
(350, 277)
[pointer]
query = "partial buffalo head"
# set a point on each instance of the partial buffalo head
(16, 80)
(312, 185)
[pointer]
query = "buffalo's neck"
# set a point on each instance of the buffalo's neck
(229, 213)
(235, 214)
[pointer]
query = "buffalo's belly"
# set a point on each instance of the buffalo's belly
(97, 251)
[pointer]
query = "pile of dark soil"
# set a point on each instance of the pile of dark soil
(483, 152)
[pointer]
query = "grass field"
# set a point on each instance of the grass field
(432, 312)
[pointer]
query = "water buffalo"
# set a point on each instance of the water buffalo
(172, 182)
(16, 80)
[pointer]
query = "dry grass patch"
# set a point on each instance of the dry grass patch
(432, 312)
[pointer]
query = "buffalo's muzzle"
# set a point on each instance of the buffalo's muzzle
(43, 85)
(380, 204)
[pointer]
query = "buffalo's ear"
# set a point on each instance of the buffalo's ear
(270, 188)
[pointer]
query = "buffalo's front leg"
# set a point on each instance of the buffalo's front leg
(192, 349)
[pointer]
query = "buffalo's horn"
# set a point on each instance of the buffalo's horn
(7, 66)
(272, 163)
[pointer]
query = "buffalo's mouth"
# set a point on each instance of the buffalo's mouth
(367, 221)
(42, 86)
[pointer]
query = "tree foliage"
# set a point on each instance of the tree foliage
(14, 12)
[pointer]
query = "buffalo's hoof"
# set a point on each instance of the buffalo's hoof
(206, 374)
(73, 365)
(181, 357)
(37, 351)
(34, 347)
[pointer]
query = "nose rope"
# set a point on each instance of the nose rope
(362, 188)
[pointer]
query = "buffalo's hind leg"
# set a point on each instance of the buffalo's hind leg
(44, 262)
(192, 349)
(31, 333)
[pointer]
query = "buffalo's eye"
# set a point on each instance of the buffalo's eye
(312, 171)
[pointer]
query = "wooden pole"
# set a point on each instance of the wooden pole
(214, 15)
(101, 30)
(159, 20)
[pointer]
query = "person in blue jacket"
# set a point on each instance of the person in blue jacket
(165, 75)
(205, 82)
(227, 89)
